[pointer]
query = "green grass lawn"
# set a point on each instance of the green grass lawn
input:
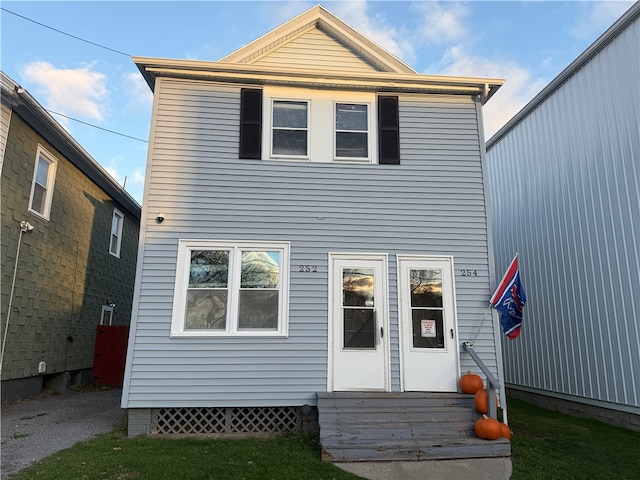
(545, 446)
(549, 445)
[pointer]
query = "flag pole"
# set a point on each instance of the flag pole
(484, 318)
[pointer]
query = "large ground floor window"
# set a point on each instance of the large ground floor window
(231, 288)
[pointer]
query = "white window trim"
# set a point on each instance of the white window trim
(182, 282)
(43, 153)
(320, 122)
(120, 215)
(370, 129)
(106, 308)
(272, 128)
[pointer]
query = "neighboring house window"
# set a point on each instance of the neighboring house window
(319, 126)
(116, 232)
(231, 288)
(107, 315)
(44, 175)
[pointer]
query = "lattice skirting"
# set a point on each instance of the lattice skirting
(247, 420)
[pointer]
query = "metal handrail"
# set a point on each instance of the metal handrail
(492, 383)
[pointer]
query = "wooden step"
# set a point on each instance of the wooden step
(384, 426)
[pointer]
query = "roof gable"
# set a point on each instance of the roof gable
(318, 39)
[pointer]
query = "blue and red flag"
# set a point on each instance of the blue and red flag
(509, 299)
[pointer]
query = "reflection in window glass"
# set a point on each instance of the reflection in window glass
(231, 289)
(357, 287)
(209, 268)
(206, 309)
(427, 308)
(359, 328)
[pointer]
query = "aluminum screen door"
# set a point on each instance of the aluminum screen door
(358, 340)
(429, 337)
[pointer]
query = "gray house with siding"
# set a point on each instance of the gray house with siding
(565, 190)
(315, 225)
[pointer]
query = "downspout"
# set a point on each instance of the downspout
(24, 227)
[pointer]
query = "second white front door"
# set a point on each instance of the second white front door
(358, 322)
(428, 327)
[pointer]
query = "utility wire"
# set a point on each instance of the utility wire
(64, 33)
(91, 43)
(95, 126)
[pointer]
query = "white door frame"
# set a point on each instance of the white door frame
(382, 308)
(453, 345)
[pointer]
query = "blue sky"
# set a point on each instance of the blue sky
(526, 43)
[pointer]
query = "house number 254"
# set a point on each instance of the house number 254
(308, 268)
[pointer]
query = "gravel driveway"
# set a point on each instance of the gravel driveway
(36, 428)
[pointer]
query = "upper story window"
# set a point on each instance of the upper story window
(318, 125)
(231, 288)
(352, 131)
(116, 232)
(285, 123)
(44, 175)
(290, 128)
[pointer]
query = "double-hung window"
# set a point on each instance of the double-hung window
(352, 131)
(290, 128)
(44, 174)
(231, 288)
(116, 232)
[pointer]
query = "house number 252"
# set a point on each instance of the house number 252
(308, 268)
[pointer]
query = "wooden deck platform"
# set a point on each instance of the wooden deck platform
(371, 426)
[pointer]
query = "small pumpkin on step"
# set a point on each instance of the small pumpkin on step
(470, 383)
(505, 431)
(480, 401)
(487, 428)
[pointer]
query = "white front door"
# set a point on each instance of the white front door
(358, 322)
(428, 331)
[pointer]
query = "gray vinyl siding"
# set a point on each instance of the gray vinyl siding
(432, 204)
(565, 188)
(315, 50)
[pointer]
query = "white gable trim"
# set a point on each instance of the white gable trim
(319, 17)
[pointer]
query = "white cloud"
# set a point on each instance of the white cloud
(80, 92)
(137, 90)
(443, 22)
(376, 28)
(520, 85)
(595, 17)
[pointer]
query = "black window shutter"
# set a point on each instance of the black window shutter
(388, 131)
(251, 123)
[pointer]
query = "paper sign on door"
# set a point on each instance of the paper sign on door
(427, 328)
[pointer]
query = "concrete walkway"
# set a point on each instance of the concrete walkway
(471, 469)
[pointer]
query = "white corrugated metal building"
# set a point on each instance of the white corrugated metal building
(565, 187)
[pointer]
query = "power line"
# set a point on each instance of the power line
(95, 126)
(64, 33)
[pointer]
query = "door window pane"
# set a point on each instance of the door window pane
(358, 307)
(427, 308)
(427, 327)
(357, 287)
(359, 328)
(426, 288)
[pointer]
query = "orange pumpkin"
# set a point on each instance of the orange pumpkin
(470, 383)
(480, 401)
(505, 431)
(487, 428)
